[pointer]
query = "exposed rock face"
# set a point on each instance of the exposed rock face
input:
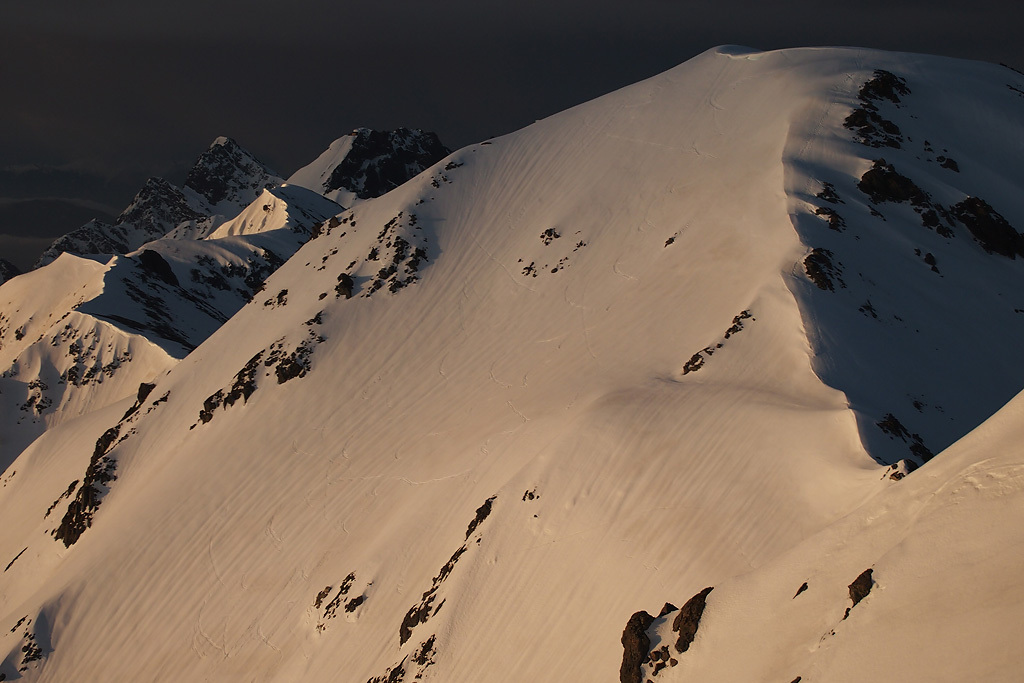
(883, 183)
(224, 180)
(155, 264)
(870, 127)
(688, 619)
(157, 208)
(7, 270)
(226, 173)
(635, 646)
(380, 161)
(861, 586)
(821, 270)
(991, 230)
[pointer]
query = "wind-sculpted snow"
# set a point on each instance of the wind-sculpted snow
(898, 237)
(900, 587)
(458, 434)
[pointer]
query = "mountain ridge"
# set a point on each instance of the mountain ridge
(456, 435)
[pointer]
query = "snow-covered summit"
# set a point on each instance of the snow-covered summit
(709, 324)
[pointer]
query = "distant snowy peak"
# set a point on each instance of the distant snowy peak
(223, 181)
(157, 208)
(95, 238)
(7, 270)
(368, 163)
(228, 177)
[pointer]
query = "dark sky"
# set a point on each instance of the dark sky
(97, 96)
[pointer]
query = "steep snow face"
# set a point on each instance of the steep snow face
(912, 207)
(57, 364)
(228, 177)
(367, 163)
(475, 423)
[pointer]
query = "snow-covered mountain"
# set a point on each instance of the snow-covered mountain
(135, 316)
(367, 163)
(750, 325)
(186, 260)
(223, 181)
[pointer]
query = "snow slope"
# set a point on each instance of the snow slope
(68, 328)
(558, 377)
(945, 596)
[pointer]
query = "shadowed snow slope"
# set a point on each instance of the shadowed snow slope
(474, 424)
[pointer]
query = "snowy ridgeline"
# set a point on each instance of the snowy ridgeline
(177, 263)
(740, 338)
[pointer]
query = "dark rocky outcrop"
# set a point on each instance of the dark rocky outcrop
(11, 563)
(227, 173)
(344, 286)
(242, 387)
(883, 183)
(391, 675)
(157, 208)
(380, 161)
(635, 646)
(861, 586)
(419, 614)
(695, 363)
(835, 221)
(884, 85)
(688, 619)
(821, 269)
(98, 476)
(870, 127)
(993, 232)
(145, 389)
(859, 589)
(482, 513)
(154, 264)
(895, 429)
